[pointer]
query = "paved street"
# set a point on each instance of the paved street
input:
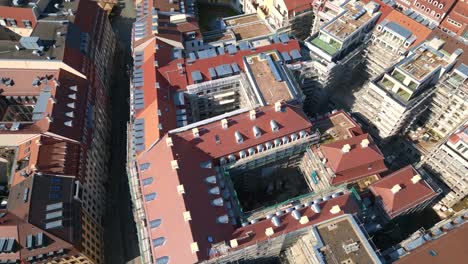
(120, 234)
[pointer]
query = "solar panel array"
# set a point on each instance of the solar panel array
(138, 134)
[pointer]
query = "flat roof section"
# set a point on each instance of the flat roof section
(239, 20)
(337, 126)
(346, 24)
(269, 81)
(343, 244)
(424, 62)
(251, 30)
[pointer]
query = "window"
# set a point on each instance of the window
(11, 22)
(155, 223)
(150, 197)
(435, 3)
(158, 241)
(437, 15)
(441, 6)
(147, 181)
(144, 166)
(27, 23)
(162, 260)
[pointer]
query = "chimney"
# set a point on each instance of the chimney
(195, 132)
(174, 164)
(224, 123)
(396, 188)
(253, 114)
(335, 209)
(269, 231)
(180, 189)
(346, 148)
(416, 178)
(233, 243)
(365, 143)
(194, 247)
(187, 216)
(169, 142)
(304, 220)
(278, 106)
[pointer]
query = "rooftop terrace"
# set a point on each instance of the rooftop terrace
(338, 126)
(346, 24)
(344, 244)
(424, 61)
(269, 80)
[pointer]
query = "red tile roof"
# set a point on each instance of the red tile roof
(297, 5)
(458, 14)
(291, 120)
(178, 233)
(359, 162)
(203, 65)
(421, 32)
(430, 9)
(252, 234)
(410, 195)
(384, 9)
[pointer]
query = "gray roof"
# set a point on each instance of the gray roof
(397, 29)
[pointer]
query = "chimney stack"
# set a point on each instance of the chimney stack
(346, 148)
(365, 143)
(233, 243)
(169, 142)
(174, 164)
(195, 132)
(253, 114)
(416, 178)
(396, 188)
(278, 106)
(224, 123)
(335, 209)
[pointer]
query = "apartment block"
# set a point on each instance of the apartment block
(295, 17)
(333, 50)
(404, 192)
(441, 243)
(392, 101)
(346, 156)
(391, 40)
(448, 163)
(55, 121)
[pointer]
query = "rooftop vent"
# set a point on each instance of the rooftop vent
(274, 126)
(346, 148)
(276, 221)
(239, 138)
(70, 114)
(253, 114)
(211, 179)
(256, 131)
(416, 178)
(316, 208)
(296, 214)
(214, 191)
(396, 188)
(217, 202)
(224, 219)
(224, 123)
(365, 143)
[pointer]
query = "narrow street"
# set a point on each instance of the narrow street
(120, 239)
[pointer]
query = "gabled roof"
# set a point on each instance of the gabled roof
(404, 197)
(457, 14)
(357, 163)
(290, 120)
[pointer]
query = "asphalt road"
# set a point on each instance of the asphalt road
(120, 239)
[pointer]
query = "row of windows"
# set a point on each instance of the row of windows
(12, 22)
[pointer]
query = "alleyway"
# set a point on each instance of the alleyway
(120, 237)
